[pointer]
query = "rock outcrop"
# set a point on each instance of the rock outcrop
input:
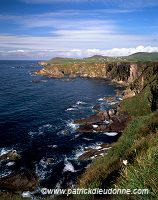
(55, 73)
(23, 180)
(11, 155)
(104, 121)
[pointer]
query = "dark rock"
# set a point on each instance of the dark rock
(117, 124)
(23, 180)
(11, 155)
(85, 128)
(99, 117)
(94, 153)
(101, 128)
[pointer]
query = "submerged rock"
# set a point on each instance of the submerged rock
(23, 180)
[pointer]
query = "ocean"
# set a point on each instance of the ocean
(37, 119)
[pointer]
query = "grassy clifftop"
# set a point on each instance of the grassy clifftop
(140, 56)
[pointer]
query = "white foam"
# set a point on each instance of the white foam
(120, 99)
(72, 125)
(95, 126)
(10, 164)
(111, 133)
(47, 126)
(42, 129)
(94, 146)
(107, 122)
(68, 167)
(106, 148)
(4, 151)
(100, 99)
(80, 102)
(78, 153)
(98, 147)
(71, 109)
(26, 194)
(31, 133)
(112, 103)
(5, 173)
(88, 139)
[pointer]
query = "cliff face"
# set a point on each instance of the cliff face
(124, 73)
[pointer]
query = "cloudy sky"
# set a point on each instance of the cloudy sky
(42, 29)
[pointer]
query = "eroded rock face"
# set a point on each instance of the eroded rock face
(11, 155)
(23, 180)
(123, 73)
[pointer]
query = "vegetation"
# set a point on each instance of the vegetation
(138, 145)
(141, 56)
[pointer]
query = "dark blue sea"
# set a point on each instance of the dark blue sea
(37, 119)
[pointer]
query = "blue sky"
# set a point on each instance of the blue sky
(42, 29)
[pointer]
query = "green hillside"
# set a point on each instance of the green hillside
(140, 56)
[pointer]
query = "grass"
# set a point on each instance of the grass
(141, 56)
(137, 145)
(138, 105)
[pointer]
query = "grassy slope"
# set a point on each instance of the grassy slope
(142, 56)
(138, 145)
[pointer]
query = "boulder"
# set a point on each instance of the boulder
(23, 180)
(11, 155)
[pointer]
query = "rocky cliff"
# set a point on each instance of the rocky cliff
(122, 72)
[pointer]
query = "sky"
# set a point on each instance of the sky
(43, 29)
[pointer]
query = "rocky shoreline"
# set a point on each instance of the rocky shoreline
(110, 122)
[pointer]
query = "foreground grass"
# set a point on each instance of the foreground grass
(138, 105)
(139, 146)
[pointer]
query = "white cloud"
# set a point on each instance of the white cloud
(75, 53)
(111, 52)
